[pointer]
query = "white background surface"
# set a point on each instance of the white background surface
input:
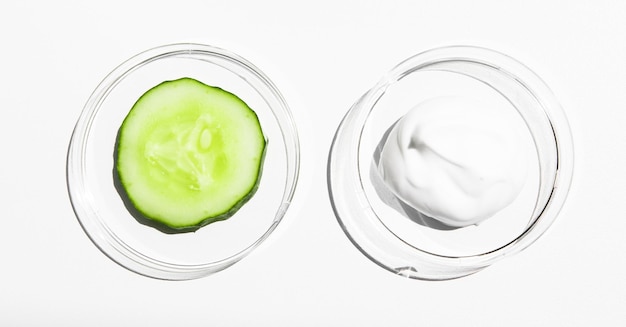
(323, 55)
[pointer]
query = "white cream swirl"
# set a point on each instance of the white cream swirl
(455, 159)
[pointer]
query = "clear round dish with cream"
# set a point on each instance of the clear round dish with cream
(458, 157)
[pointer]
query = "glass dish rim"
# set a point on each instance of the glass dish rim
(502, 63)
(94, 226)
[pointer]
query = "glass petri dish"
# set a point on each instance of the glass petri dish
(414, 245)
(90, 164)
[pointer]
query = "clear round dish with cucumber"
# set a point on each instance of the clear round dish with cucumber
(184, 159)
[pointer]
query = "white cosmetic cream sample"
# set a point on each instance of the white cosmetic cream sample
(455, 159)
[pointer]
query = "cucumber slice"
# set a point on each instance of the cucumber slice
(189, 154)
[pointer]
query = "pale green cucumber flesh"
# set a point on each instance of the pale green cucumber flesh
(189, 154)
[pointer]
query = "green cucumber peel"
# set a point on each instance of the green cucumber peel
(187, 155)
